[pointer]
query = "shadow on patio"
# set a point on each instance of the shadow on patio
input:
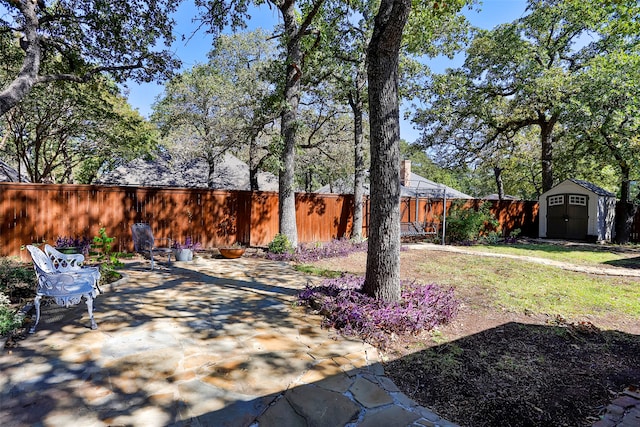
(214, 342)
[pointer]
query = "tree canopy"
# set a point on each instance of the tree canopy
(118, 38)
(68, 133)
(225, 104)
(520, 75)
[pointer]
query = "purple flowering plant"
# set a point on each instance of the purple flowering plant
(188, 244)
(316, 251)
(346, 308)
(82, 243)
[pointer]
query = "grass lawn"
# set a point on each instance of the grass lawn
(520, 286)
(516, 285)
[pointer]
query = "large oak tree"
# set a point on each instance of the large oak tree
(521, 75)
(297, 26)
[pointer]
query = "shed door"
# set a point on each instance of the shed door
(567, 216)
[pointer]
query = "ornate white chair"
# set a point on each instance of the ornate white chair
(144, 243)
(72, 263)
(66, 289)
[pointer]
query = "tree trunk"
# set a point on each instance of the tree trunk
(546, 144)
(625, 212)
(211, 163)
(497, 172)
(625, 209)
(28, 74)
(382, 279)
(287, 198)
(355, 101)
(254, 165)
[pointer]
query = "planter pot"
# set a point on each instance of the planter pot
(69, 250)
(183, 254)
(231, 253)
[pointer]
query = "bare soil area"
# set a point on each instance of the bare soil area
(490, 367)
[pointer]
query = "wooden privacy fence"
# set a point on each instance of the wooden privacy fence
(512, 214)
(42, 212)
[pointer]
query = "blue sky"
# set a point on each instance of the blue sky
(194, 49)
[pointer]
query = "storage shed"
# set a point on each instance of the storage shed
(577, 210)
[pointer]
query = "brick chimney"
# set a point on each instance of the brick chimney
(405, 173)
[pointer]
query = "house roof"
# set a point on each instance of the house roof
(494, 196)
(416, 186)
(9, 174)
(592, 187)
(230, 174)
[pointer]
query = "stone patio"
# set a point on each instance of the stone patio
(212, 342)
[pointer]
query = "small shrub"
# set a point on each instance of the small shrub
(513, 236)
(17, 280)
(103, 243)
(491, 238)
(280, 245)
(466, 224)
(347, 309)
(108, 273)
(9, 319)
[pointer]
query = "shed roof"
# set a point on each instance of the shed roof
(592, 187)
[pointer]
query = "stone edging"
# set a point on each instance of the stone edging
(623, 411)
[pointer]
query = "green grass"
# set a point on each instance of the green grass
(316, 271)
(581, 255)
(516, 285)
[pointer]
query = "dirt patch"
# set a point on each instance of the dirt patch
(491, 367)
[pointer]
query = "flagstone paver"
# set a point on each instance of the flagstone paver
(207, 343)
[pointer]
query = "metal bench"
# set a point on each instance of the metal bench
(72, 263)
(64, 288)
(144, 243)
(418, 229)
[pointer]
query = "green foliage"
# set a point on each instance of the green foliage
(436, 27)
(14, 275)
(466, 224)
(538, 78)
(9, 319)
(67, 133)
(227, 104)
(89, 38)
(280, 245)
(103, 243)
(422, 165)
(16, 282)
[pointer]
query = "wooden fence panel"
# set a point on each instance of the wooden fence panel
(323, 217)
(42, 212)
